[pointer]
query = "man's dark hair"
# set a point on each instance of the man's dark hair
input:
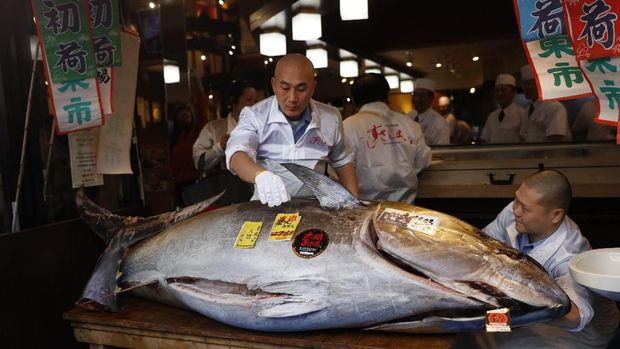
(554, 188)
(236, 90)
(368, 88)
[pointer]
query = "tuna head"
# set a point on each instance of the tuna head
(460, 257)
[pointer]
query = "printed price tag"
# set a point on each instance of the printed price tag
(498, 320)
(410, 220)
(284, 226)
(248, 234)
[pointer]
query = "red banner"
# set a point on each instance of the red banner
(594, 27)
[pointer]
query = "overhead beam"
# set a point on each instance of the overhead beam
(268, 10)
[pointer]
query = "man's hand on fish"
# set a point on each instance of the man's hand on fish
(271, 189)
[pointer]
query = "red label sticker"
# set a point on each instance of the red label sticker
(310, 243)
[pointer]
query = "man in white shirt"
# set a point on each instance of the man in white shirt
(434, 126)
(536, 224)
(388, 147)
(585, 128)
(213, 137)
(547, 121)
(443, 107)
(289, 127)
(504, 123)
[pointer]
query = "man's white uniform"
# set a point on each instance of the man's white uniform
(263, 133)
(507, 130)
(389, 152)
(554, 253)
(548, 118)
(208, 142)
(434, 126)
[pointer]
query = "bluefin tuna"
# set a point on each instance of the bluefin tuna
(379, 265)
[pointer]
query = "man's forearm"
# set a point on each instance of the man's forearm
(348, 179)
(243, 165)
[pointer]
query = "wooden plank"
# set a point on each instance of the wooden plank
(143, 324)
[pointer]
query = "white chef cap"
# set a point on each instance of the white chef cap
(443, 101)
(505, 79)
(526, 72)
(426, 84)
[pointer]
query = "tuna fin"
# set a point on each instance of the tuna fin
(331, 195)
(434, 324)
(438, 324)
(103, 222)
(101, 289)
(273, 300)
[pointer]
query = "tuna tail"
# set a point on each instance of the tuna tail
(331, 195)
(121, 233)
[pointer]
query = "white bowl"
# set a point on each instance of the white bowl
(598, 270)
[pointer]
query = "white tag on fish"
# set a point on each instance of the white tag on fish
(498, 320)
(410, 220)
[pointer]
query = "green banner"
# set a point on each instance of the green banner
(104, 16)
(63, 26)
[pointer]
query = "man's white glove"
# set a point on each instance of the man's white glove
(271, 189)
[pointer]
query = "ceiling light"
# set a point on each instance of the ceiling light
(210, 96)
(233, 47)
(438, 65)
(472, 90)
(343, 80)
(306, 26)
(353, 9)
(393, 81)
(272, 44)
(230, 52)
(318, 57)
(172, 74)
(203, 57)
(151, 4)
(375, 70)
(349, 68)
(406, 86)
(348, 99)
(409, 64)
(475, 58)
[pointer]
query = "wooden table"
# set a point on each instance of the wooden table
(144, 324)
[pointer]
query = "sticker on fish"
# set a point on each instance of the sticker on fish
(410, 220)
(498, 320)
(284, 226)
(248, 234)
(310, 243)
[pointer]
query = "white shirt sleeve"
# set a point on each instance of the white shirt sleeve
(557, 123)
(577, 294)
(244, 137)
(443, 132)
(351, 136)
(486, 130)
(340, 155)
(208, 142)
(497, 228)
(423, 151)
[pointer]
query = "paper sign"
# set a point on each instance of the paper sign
(248, 234)
(83, 152)
(539, 19)
(113, 153)
(105, 19)
(105, 78)
(594, 27)
(604, 77)
(558, 75)
(63, 28)
(284, 226)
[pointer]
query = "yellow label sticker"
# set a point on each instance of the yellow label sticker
(248, 234)
(284, 226)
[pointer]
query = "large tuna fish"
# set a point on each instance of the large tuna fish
(387, 266)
